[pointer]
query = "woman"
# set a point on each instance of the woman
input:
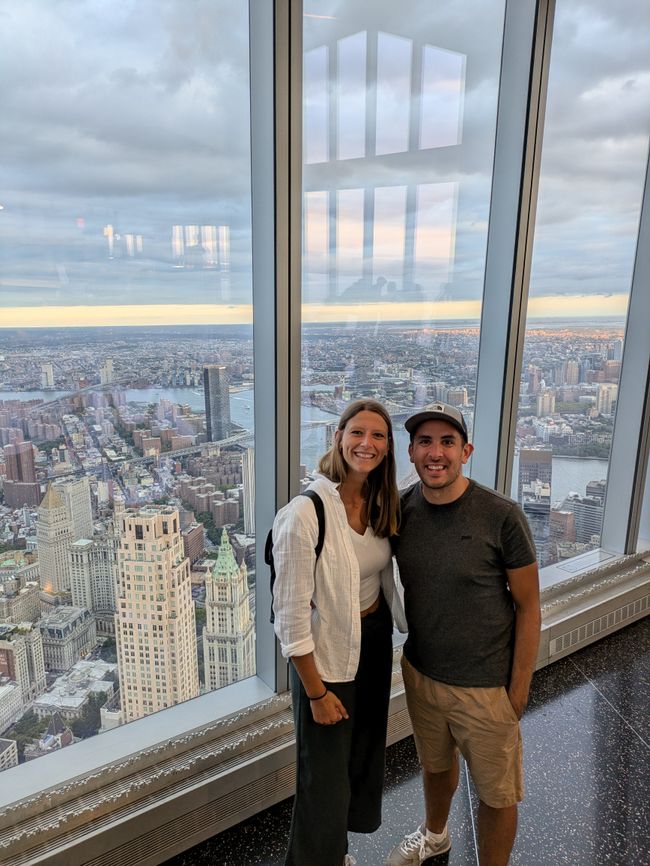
(333, 619)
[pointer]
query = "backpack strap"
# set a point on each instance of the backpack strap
(320, 516)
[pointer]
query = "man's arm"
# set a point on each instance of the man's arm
(524, 588)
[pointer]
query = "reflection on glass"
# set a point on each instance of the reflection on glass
(352, 96)
(443, 87)
(349, 237)
(388, 239)
(393, 92)
(393, 310)
(316, 105)
(593, 166)
(316, 240)
(435, 233)
(126, 419)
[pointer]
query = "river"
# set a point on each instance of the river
(569, 473)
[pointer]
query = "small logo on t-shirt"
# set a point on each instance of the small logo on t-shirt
(466, 538)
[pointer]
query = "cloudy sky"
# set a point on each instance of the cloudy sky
(120, 121)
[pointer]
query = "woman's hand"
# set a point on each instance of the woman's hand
(328, 710)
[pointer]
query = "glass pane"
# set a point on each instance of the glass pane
(126, 364)
(592, 174)
(396, 219)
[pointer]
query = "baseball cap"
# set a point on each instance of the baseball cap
(438, 412)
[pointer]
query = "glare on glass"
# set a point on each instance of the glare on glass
(352, 96)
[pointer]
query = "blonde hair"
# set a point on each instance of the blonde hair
(381, 508)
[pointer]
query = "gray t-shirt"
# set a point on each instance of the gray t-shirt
(452, 560)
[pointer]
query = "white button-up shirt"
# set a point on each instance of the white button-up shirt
(316, 603)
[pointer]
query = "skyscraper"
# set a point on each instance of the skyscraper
(76, 495)
(606, 399)
(154, 623)
(229, 634)
(93, 566)
(535, 464)
(47, 376)
(545, 402)
(106, 374)
(217, 402)
(588, 516)
(21, 487)
(53, 538)
(19, 460)
(21, 658)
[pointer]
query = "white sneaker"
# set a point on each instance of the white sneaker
(349, 860)
(415, 848)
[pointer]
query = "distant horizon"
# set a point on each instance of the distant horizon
(442, 324)
(423, 312)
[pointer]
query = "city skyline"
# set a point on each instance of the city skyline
(126, 420)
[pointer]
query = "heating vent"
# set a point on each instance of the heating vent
(203, 822)
(590, 631)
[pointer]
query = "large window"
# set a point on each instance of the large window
(590, 191)
(399, 122)
(127, 564)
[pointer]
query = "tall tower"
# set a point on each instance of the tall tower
(47, 376)
(21, 487)
(228, 635)
(106, 374)
(535, 464)
(606, 398)
(19, 460)
(154, 623)
(217, 402)
(76, 495)
(53, 538)
(21, 658)
(92, 577)
(248, 479)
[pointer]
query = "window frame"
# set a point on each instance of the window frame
(254, 713)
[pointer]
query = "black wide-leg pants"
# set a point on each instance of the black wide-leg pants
(340, 768)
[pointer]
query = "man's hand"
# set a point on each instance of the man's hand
(524, 588)
(519, 700)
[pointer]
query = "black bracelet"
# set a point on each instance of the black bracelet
(320, 697)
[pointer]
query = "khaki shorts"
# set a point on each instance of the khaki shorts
(479, 722)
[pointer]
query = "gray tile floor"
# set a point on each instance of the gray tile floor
(587, 757)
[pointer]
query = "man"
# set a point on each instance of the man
(467, 562)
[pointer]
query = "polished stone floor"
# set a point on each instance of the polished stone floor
(587, 758)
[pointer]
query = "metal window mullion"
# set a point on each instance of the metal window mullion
(276, 166)
(522, 100)
(628, 463)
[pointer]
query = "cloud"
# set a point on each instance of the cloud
(136, 114)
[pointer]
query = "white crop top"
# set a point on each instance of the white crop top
(373, 554)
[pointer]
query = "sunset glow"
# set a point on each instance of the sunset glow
(242, 314)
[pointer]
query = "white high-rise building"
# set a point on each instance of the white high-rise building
(53, 539)
(154, 623)
(229, 633)
(605, 398)
(248, 479)
(545, 403)
(106, 374)
(76, 496)
(47, 376)
(21, 658)
(93, 570)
